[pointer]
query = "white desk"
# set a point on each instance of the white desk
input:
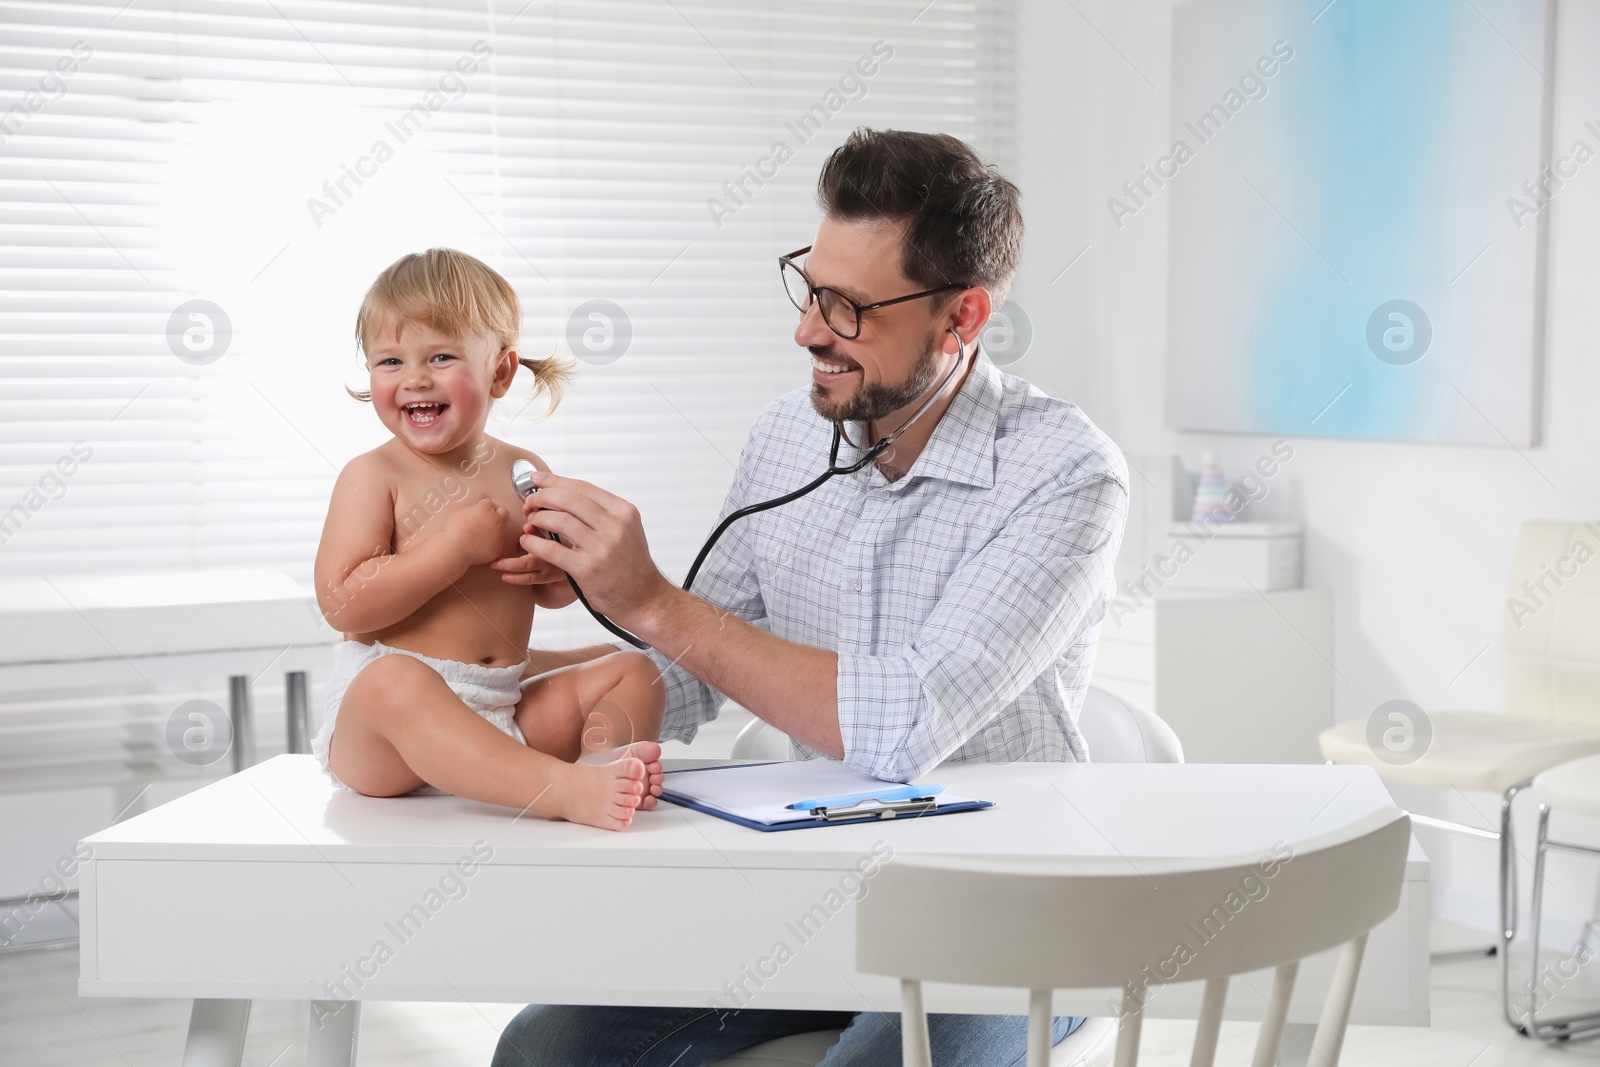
(271, 883)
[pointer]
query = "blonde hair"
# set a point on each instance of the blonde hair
(456, 294)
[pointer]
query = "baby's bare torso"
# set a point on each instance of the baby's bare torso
(479, 618)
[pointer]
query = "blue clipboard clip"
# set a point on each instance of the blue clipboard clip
(884, 810)
(884, 803)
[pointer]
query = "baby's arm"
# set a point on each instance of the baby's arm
(557, 594)
(362, 584)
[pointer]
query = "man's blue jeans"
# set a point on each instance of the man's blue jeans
(581, 1036)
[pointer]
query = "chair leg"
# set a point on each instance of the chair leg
(1210, 1024)
(1329, 1042)
(913, 1025)
(1531, 1023)
(1129, 1024)
(243, 721)
(295, 707)
(1565, 1027)
(1040, 1026)
(1508, 901)
(1277, 1014)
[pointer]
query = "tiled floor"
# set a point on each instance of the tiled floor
(1467, 1030)
(44, 1023)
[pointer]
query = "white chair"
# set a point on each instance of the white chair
(1049, 926)
(1117, 732)
(760, 740)
(1574, 788)
(1120, 732)
(1550, 641)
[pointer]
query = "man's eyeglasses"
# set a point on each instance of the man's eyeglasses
(842, 314)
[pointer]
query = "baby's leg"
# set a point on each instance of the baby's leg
(597, 710)
(400, 726)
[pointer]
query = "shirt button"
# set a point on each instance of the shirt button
(858, 585)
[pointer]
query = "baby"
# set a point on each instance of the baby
(436, 687)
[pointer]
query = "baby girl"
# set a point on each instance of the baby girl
(436, 687)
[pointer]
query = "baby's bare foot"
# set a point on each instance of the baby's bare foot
(648, 753)
(600, 794)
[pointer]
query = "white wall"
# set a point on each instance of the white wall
(1415, 540)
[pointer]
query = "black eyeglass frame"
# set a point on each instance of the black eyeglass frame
(813, 290)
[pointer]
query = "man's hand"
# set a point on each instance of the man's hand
(602, 546)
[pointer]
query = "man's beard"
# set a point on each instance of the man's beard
(875, 400)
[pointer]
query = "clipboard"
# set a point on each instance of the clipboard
(795, 779)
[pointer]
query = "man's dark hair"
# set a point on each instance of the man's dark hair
(963, 225)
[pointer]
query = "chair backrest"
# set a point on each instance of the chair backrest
(1117, 732)
(1047, 926)
(761, 740)
(1550, 635)
(1120, 732)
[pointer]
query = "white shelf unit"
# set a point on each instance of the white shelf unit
(1243, 677)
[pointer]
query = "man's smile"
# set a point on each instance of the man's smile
(830, 371)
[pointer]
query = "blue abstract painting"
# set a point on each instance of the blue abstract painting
(1358, 201)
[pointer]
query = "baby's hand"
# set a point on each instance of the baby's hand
(478, 530)
(528, 570)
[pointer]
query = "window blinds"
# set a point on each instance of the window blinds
(196, 194)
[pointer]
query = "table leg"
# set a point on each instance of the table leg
(216, 1033)
(331, 1037)
(295, 688)
(243, 720)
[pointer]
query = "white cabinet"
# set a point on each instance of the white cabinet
(1243, 677)
(1233, 555)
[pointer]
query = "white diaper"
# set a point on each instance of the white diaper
(492, 692)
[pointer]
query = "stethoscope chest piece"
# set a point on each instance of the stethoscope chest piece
(522, 478)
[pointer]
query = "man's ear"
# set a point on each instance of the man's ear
(969, 315)
(505, 369)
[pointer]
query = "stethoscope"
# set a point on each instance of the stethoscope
(522, 479)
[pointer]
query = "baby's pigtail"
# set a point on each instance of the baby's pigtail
(550, 377)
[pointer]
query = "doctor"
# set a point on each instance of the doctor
(941, 603)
